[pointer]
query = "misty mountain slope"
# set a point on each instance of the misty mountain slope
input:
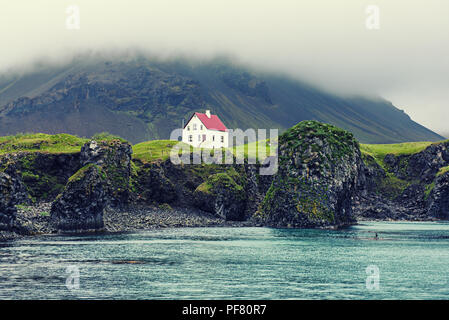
(141, 99)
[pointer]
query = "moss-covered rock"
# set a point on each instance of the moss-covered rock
(113, 156)
(319, 168)
(80, 207)
(103, 180)
(221, 195)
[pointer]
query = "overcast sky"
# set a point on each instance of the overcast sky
(326, 42)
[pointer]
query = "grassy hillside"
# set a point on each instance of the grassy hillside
(379, 151)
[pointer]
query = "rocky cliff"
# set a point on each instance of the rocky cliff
(319, 168)
(104, 179)
(323, 180)
(409, 186)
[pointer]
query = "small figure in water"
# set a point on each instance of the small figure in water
(376, 237)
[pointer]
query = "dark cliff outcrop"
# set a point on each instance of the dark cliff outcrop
(439, 197)
(80, 207)
(214, 188)
(406, 186)
(12, 192)
(221, 195)
(43, 174)
(319, 168)
(103, 180)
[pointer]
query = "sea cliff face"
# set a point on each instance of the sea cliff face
(323, 180)
(407, 186)
(319, 168)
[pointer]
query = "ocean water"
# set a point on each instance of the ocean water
(407, 261)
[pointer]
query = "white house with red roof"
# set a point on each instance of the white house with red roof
(205, 130)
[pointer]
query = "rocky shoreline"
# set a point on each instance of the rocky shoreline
(35, 220)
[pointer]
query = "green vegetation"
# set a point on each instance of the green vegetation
(443, 171)
(251, 150)
(429, 189)
(159, 150)
(106, 136)
(154, 150)
(300, 137)
(379, 151)
(23, 207)
(40, 142)
(220, 180)
(81, 172)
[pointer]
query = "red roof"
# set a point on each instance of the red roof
(212, 123)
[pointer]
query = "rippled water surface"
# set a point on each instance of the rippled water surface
(233, 263)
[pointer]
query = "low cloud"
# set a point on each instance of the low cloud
(324, 42)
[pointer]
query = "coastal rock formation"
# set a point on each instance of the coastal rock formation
(407, 186)
(113, 156)
(319, 169)
(422, 166)
(103, 180)
(439, 198)
(221, 195)
(12, 192)
(80, 207)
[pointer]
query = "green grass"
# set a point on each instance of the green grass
(40, 142)
(379, 151)
(106, 136)
(153, 150)
(443, 171)
(250, 150)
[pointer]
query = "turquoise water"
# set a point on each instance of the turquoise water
(233, 263)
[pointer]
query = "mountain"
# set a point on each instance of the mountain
(142, 99)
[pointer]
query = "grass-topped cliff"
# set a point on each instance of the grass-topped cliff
(318, 166)
(40, 142)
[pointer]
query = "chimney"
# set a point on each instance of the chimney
(208, 113)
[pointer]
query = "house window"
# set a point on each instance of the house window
(194, 126)
(199, 137)
(213, 138)
(188, 128)
(222, 139)
(190, 138)
(201, 127)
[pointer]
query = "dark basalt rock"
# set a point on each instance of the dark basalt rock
(319, 169)
(80, 207)
(103, 180)
(422, 166)
(221, 195)
(12, 192)
(409, 188)
(439, 198)
(114, 158)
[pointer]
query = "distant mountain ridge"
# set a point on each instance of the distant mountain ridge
(142, 99)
